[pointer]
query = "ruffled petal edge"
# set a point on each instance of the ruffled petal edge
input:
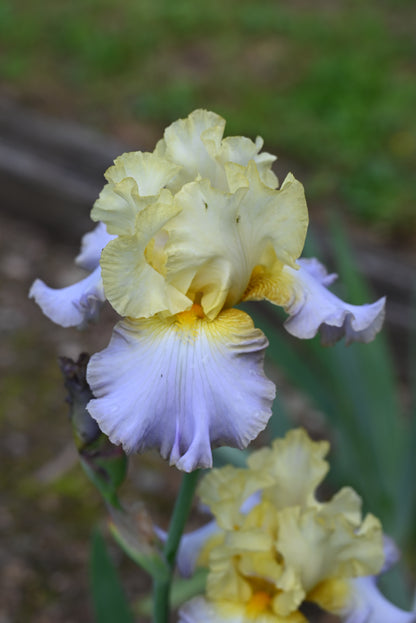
(182, 385)
(313, 308)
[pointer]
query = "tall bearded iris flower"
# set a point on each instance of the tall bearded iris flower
(188, 232)
(274, 548)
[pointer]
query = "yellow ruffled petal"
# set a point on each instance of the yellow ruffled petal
(218, 238)
(270, 282)
(134, 182)
(279, 218)
(185, 142)
(224, 582)
(278, 547)
(346, 502)
(225, 490)
(240, 150)
(331, 595)
(321, 545)
(150, 172)
(289, 595)
(205, 256)
(196, 144)
(284, 461)
(132, 284)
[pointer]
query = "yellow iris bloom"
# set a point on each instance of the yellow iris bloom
(274, 546)
(185, 234)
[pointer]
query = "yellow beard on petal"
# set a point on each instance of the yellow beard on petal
(275, 286)
(190, 316)
(258, 603)
(331, 595)
(191, 322)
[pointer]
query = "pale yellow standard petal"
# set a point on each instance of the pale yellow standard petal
(117, 206)
(134, 182)
(225, 491)
(321, 545)
(205, 256)
(218, 239)
(248, 572)
(150, 172)
(284, 461)
(240, 150)
(196, 144)
(132, 284)
(185, 143)
(346, 502)
(280, 220)
(277, 549)
(273, 218)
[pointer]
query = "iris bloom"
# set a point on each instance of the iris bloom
(188, 232)
(274, 546)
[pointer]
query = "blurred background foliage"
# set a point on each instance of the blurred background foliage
(329, 85)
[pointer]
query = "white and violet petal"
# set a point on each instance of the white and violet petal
(199, 610)
(368, 605)
(92, 245)
(182, 384)
(80, 303)
(314, 308)
(73, 306)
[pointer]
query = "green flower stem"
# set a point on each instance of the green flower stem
(161, 591)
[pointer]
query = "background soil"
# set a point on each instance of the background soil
(48, 508)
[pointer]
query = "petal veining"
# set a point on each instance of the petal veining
(182, 384)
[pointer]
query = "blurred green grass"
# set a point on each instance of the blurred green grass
(329, 85)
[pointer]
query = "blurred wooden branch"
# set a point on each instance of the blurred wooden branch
(51, 171)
